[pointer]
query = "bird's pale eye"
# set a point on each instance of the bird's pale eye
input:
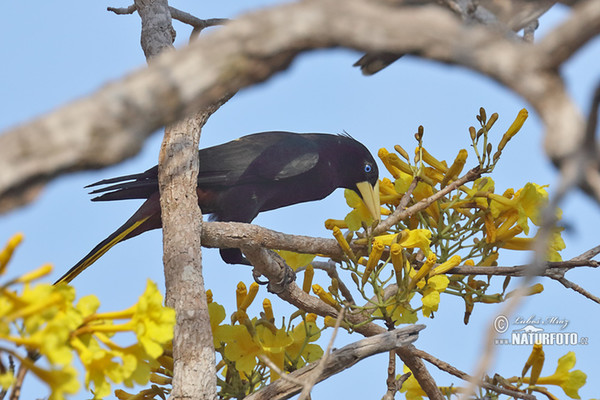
(368, 168)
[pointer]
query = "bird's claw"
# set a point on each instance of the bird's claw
(287, 277)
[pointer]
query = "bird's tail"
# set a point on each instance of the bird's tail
(147, 217)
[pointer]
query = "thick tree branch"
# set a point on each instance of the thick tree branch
(194, 373)
(238, 234)
(567, 38)
(340, 360)
(111, 124)
(235, 234)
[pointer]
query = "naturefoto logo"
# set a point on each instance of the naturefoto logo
(528, 331)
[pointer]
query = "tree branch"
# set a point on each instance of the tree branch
(567, 38)
(110, 125)
(339, 360)
(444, 366)
(182, 16)
(194, 373)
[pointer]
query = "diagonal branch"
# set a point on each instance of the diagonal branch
(567, 38)
(338, 361)
(400, 213)
(444, 366)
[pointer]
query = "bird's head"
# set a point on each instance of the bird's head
(360, 174)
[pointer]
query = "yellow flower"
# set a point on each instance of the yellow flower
(153, 322)
(535, 362)
(61, 381)
(249, 298)
(48, 318)
(482, 187)
(332, 223)
(35, 274)
(408, 238)
(6, 380)
(527, 202)
(344, 245)
(242, 349)
(87, 305)
(534, 289)
(325, 296)
(360, 212)
(446, 266)
(403, 315)
(309, 273)
(415, 277)
(570, 382)
(434, 162)
(135, 365)
(424, 191)
(394, 164)
(374, 256)
(420, 238)
(99, 365)
(271, 339)
(431, 296)
(412, 388)
(220, 332)
(513, 129)
(521, 243)
(301, 350)
(8, 250)
(456, 167)
(402, 183)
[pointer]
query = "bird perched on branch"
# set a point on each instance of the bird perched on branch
(239, 179)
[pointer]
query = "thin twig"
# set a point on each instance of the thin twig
(587, 255)
(196, 22)
(529, 30)
(123, 11)
(400, 213)
(16, 392)
(330, 268)
(444, 366)
(391, 383)
(313, 378)
(570, 285)
(281, 373)
(187, 18)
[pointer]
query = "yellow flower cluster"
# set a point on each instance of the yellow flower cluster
(44, 320)
(569, 381)
(246, 342)
(468, 225)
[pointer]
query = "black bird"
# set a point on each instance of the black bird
(241, 178)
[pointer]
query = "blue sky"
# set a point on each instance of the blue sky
(58, 51)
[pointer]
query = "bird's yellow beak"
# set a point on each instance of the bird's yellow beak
(370, 196)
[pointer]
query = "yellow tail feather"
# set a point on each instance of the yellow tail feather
(87, 261)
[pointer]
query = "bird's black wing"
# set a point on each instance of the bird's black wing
(252, 158)
(266, 156)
